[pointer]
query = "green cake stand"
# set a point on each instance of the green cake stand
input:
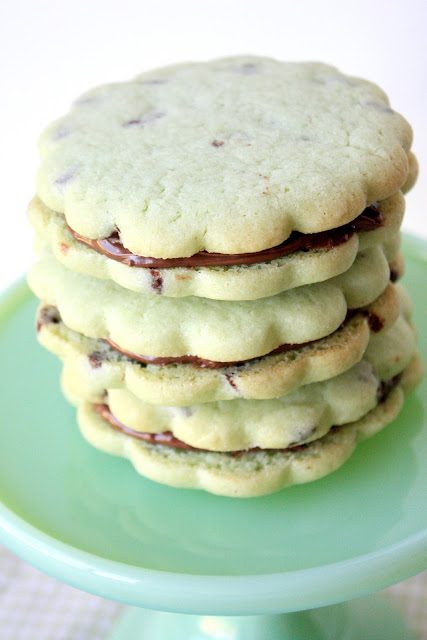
(297, 565)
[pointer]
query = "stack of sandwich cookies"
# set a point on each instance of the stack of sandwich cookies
(219, 256)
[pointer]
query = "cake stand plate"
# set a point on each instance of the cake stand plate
(91, 521)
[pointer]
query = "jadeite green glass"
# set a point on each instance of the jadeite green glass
(90, 520)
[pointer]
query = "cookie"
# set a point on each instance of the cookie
(228, 282)
(297, 418)
(218, 251)
(228, 156)
(96, 366)
(252, 473)
(224, 331)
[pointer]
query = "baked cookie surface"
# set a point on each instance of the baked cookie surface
(226, 156)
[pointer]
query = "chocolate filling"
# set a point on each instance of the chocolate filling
(201, 363)
(167, 439)
(376, 323)
(50, 314)
(112, 247)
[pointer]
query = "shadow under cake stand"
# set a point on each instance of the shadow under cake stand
(265, 568)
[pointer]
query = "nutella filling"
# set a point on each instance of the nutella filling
(370, 219)
(167, 439)
(376, 323)
(50, 315)
(201, 363)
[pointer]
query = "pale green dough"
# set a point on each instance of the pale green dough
(226, 156)
(213, 329)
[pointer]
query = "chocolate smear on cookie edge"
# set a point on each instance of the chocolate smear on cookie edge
(371, 218)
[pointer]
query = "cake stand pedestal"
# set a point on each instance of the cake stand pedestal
(371, 618)
(265, 568)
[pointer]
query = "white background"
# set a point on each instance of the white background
(53, 51)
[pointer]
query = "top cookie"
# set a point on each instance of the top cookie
(228, 156)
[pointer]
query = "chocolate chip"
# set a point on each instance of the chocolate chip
(146, 119)
(48, 315)
(247, 68)
(154, 81)
(96, 359)
(375, 322)
(394, 275)
(217, 143)
(132, 123)
(65, 177)
(61, 132)
(231, 381)
(156, 280)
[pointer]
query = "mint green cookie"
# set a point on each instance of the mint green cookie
(226, 156)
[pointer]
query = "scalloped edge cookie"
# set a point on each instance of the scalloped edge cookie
(304, 415)
(99, 367)
(253, 473)
(227, 156)
(239, 282)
